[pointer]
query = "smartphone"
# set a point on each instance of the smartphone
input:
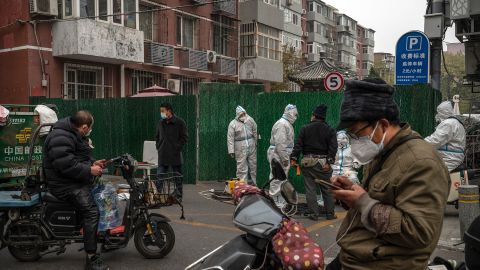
(328, 184)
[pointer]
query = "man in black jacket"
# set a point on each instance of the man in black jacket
(70, 170)
(170, 138)
(317, 142)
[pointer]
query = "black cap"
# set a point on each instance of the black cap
(321, 111)
(368, 100)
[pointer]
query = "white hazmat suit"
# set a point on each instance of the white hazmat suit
(345, 164)
(281, 146)
(449, 136)
(242, 142)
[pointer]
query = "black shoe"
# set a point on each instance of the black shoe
(313, 217)
(95, 263)
(331, 217)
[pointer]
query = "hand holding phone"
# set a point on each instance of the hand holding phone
(329, 185)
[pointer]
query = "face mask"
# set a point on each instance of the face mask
(88, 133)
(163, 115)
(365, 150)
(242, 118)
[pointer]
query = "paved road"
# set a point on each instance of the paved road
(208, 224)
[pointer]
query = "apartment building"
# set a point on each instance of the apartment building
(385, 66)
(365, 56)
(322, 33)
(77, 49)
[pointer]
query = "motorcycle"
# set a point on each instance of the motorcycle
(30, 229)
(260, 219)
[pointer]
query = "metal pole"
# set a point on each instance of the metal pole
(436, 49)
(468, 206)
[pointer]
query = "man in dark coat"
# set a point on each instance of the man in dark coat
(317, 142)
(170, 138)
(70, 170)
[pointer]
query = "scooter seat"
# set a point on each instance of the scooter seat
(49, 197)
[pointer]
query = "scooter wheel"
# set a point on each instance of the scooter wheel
(25, 253)
(157, 247)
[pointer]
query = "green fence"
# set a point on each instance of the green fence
(122, 125)
(218, 102)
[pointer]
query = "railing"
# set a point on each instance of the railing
(86, 91)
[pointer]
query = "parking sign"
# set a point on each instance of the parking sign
(412, 59)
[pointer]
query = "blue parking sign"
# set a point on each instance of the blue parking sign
(412, 59)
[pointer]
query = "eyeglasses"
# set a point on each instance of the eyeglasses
(353, 135)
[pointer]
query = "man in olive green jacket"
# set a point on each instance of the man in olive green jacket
(396, 216)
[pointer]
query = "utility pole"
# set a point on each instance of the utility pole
(435, 16)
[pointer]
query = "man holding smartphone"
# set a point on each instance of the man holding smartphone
(396, 216)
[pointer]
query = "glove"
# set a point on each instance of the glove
(232, 155)
(293, 162)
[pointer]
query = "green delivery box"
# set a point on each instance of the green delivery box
(15, 140)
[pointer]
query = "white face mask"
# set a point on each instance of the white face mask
(364, 149)
(88, 133)
(163, 115)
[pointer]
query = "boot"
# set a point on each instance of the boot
(95, 263)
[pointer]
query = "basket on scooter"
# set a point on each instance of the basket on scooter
(161, 190)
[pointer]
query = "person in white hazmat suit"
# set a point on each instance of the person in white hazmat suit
(242, 144)
(449, 136)
(281, 146)
(345, 163)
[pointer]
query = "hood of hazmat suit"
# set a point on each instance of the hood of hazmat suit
(449, 136)
(242, 141)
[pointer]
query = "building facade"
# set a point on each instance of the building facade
(385, 66)
(365, 51)
(114, 48)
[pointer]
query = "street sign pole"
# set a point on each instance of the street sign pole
(437, 47)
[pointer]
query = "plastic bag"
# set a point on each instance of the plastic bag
(47, 116)
(105, 196)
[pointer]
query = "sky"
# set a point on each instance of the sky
(389, 18)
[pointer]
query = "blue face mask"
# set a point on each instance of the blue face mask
(163, 116)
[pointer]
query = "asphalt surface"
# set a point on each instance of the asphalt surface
(208, 224)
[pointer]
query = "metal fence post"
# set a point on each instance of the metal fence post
(468, 206)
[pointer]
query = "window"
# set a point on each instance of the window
(83, 82)
(186, 32)
(310, 26)
(295, 18)
(319, 49)
(124, 11)
(310, 48)
(269, 42)
(287, 16)
(144, 79)
(365, 49)
(87, 8)
(311, 6)
(319, 9)
(67, 8)
(271, 2)
(222, 34)
(247, 40)
(148, 23)
(103, 9)
(365, 65)
(129, 7)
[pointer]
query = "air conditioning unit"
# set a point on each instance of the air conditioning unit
(211, 57)
(44, 7)
(173, 85)
(304, 11)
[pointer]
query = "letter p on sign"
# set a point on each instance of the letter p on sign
(414, 43)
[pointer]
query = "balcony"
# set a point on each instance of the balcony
(229, 7)
(369, 57)
(369, 42)
(92, 40)
(314, 16)
(259, 11)
(346, 48)
(316, 37)
(261, 70)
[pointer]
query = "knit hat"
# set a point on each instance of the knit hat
(320, 111)
(368, 100)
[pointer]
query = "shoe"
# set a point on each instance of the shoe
(313, 217)
(331, 217)
(95, 263)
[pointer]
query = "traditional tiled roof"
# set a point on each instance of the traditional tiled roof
(316, 71)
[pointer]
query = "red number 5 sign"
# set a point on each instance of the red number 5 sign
(334, 81)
